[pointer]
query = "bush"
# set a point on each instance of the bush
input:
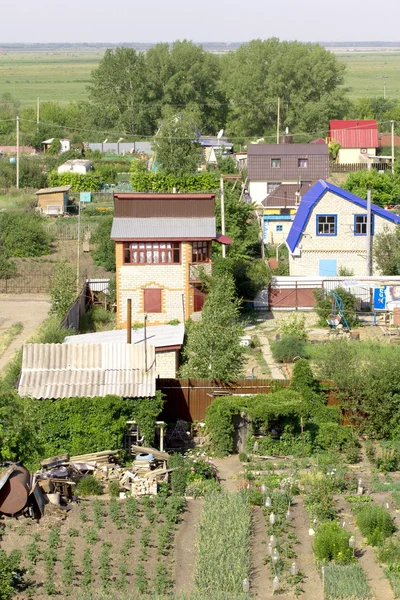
(104, 253)
(146, 181)
(113, 489)
(332, 543)
(289, 348)
(24, 234)
(62, 288)
(375, 523)
(336, 438)
(200, 489)
(294, 326)
(325, 306)
(11, 574)
(89, 486)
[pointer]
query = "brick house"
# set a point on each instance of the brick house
(329, 232)
(270, 165)
(357, 139)
(162, 241)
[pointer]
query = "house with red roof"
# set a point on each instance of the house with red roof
(357, 139)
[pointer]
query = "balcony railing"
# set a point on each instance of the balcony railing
(196, 269)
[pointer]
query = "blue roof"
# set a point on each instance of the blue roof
(315, 194)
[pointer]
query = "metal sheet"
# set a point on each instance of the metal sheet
(163, 229)
(14, 493)
(87, 370)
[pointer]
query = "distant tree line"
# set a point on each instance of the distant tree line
(131, 93)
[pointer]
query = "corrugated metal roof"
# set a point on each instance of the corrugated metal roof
(160, 336)
(163, 229)
(285, 195)
(168, 206)
(354, 134)
(63, 188)
(314, 195)
(73, 370)
(277, 150)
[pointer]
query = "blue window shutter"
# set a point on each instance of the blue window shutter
(327, 267)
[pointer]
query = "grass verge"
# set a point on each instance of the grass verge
(9, 335)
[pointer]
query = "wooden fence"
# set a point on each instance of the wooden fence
(188, 399)
(69, 231)
(351, 167)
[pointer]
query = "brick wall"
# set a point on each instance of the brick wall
(348, 249)
(173, 280)
(166, 364)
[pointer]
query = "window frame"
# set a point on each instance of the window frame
(300, 166)
(200, 244)
(335, 225)
(156, 247)
(364, 215)
(276, 184)
(280, 227)
(278, 160)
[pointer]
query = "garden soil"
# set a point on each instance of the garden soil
(30, 310)
(185, 547)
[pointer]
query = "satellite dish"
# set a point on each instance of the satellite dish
(220, 134)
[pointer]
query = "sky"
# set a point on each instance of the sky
(201, 21)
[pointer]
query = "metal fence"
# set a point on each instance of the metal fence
(34, 283)
(69, 231)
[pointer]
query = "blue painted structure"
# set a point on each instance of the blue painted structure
(311, 198)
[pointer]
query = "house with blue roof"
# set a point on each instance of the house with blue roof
(329, 231)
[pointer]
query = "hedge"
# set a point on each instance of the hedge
(144, 181)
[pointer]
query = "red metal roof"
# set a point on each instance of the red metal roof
(354, 134)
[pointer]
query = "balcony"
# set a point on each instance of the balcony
(196, 270)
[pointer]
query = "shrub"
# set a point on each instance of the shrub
(294, 326)
(89, 486)
(198, 489)
(325, 306)
(375, 523)
(104, 253)
(62, 288)
(335, 437)
(289, 348)
(332, 543)
(113, 489)
(24, 234)
(11, 574)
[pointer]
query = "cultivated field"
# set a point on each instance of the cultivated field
(63, 76)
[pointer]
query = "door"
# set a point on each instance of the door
(199, 299)
(327, 267)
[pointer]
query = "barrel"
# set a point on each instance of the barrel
(14, 493)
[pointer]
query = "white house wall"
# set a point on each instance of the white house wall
(348, 249)
(258, 191)
(348, 156)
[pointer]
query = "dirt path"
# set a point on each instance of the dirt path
(260, 581)
(29, 310)
(185, 548)
(312, 584)
(229, 468)
(277, 371)
(377, 581)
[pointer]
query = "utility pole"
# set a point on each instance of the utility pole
(221, 183)
(78, 249)
(37, 114)
(369, 238)
(17, 153)
(392, 123)
(278, 120)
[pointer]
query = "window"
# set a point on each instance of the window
(279, 228)
(152, 300)
(271, 187)
(275, 163)
(326, 224)
(302, 163)
(152, 253)
(363, 151)
(360, 224)
(199, 252)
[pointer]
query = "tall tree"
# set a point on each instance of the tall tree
(303, 76)
(176, 150)
(185, 77)
(386, 251)
(118, 90)
(213, 349)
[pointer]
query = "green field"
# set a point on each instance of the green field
(52, 76)
(63, 76)
(364, 72)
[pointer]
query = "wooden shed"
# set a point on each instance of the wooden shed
(53, 201)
